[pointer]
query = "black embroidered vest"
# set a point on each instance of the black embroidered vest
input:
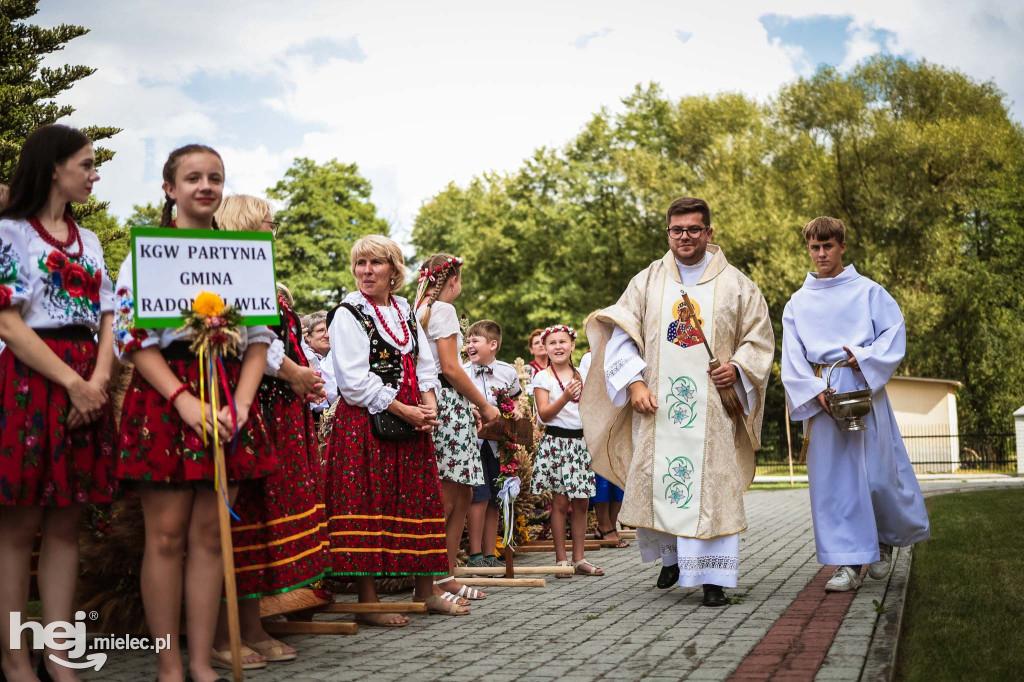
(385, 359)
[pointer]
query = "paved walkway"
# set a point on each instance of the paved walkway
(619, 626)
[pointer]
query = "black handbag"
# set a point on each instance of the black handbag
(386, 426)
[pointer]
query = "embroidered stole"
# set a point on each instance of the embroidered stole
(682, 392)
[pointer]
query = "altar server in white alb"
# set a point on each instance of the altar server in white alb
(864, 496)
(681, 459)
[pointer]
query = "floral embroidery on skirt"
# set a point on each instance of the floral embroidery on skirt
(156, 446)
(280, 539)
(562, 465)
(455, 441)
(41, 463)
(386, 516)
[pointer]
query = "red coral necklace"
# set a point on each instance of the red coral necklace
(73, 236)
(405, 330)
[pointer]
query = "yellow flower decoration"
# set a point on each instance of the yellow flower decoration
(208, 304)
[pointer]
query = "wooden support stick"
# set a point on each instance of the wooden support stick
(376, 607)
(509, 562)
(520, 570)
(227, 554)
(504, 582)
(291, 627)
(587, 545)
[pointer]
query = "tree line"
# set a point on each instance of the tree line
(924, 165)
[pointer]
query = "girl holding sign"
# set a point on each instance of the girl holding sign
(162, 451)
(281, 535)
(56, 442)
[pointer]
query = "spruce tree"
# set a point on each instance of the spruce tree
(28, 91)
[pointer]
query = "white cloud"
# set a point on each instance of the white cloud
(420, 94)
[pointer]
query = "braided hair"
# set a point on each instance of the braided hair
(433, 276)
(171, 169)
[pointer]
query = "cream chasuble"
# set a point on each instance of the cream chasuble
(684, 469)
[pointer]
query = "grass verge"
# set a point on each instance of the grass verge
(965, 602)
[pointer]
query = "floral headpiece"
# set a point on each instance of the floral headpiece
(432, 275)
(558, 328)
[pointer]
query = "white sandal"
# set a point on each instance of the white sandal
(563, 575)
(462, 592)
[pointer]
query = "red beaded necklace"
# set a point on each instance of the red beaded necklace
(575, 400)
(73, 235)
(405, 330)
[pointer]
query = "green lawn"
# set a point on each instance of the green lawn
(777, 486)
(965, 602)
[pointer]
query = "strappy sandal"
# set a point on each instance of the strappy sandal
(602, 533)
(222, 659)
(273, 650)
(593, 572)
(466, 592)
(563, 575)
(381, 620)
(446, 604)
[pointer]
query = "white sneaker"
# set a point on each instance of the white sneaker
(879, 570)
(843, 580)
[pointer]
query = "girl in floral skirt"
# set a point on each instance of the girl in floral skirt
(162, 453)
(455, 441)
(280, 537)
(562, 462)
(56, 422)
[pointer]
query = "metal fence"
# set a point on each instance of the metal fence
(931, 451)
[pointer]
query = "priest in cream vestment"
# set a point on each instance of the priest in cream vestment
(652, 413)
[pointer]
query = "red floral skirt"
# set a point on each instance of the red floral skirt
(156, 446)
(41, 463)
(386, 516)
(280, 539)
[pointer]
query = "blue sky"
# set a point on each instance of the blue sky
(422, 94)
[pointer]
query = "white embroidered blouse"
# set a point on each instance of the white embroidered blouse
(350, 353)
(50, 289)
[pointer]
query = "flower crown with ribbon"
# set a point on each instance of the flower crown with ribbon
(427, 274)
(558, 328)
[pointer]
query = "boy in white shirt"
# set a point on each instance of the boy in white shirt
(483, 341)
(865, 498)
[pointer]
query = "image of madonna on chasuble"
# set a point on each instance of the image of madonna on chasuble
(683, 469)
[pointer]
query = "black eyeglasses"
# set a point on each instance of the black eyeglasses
(273, 226)
(691, 232)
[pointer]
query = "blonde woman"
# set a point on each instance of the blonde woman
(280, 536)
(386, 515)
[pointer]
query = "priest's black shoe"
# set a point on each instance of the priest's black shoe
(669, 577)
(714, 595)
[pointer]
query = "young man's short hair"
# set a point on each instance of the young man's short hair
(684, 205)
(488, 329)
(824, 228)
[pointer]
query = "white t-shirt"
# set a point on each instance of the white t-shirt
(444, 322)
(50, 289)
(569, 416)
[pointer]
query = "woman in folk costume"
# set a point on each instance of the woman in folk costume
(162, 450)
(57, 437)
(455, 441)
(538, 351)
(384, 505)
(562, 462)
(280, 535)
(865, 498)
(677, 433)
